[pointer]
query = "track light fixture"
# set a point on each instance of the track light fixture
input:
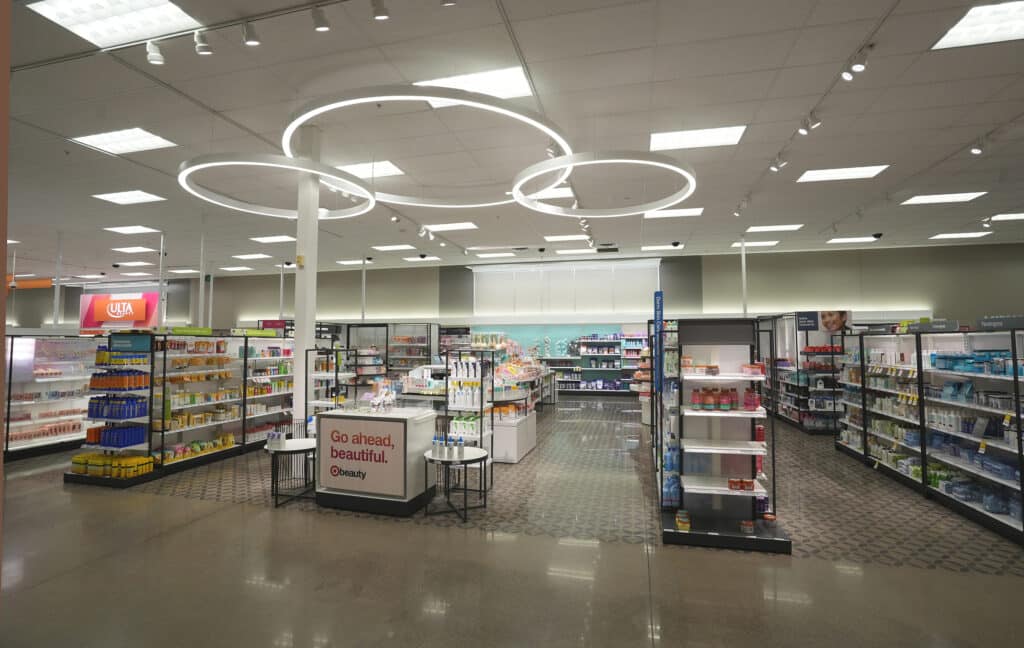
(394, 219)
(987, 223)
(320, 23)
(847, 75)
(422, 232)
(805, 127)
(443, 244)
(249, 35)
(777, 163)
(590, 242)
(978, 147)
(813, 121)
(447, 3)
(153, 54)
(859, 63)
(380, 12)
(430, 236)
(202, 45)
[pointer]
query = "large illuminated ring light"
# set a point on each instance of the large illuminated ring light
(338, 179)
(435, 95)
(602, 157)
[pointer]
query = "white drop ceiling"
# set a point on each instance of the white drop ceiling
(608, 72)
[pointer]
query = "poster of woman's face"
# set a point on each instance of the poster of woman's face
(834, 321)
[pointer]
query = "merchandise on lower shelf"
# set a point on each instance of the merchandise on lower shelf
(105, 466)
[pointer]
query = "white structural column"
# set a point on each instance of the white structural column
(306, 262)
(55, 319)
(200, 320)
(743, 271)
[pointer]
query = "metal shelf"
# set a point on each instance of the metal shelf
(720, 446)
(722, 378)
(745, 414)
(994, 443)
(968, 374)
(701, 484)
(51, 419)
(968, 467)
(45, 441)
(972, 406)
(895, 416)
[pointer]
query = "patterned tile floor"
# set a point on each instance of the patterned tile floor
(590, 477)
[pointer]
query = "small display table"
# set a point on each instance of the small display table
(286, 475)
(470, 456)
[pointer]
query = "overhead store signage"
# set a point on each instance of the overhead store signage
(127, 310)
(131, 342)
(1001, 322)
(934, 326)
(830, 321)
(191, 330)
(659, 342)
(275, 324)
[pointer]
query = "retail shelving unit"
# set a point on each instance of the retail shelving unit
(717, 462)
(468, 400)
(594, 362)
(940, 412)
(269, 375)
(409, 346)
(332, 383)
(123, 377)
(370, 360)
(47, 393)
(453, 338)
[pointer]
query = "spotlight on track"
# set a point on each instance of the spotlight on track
(813, 120)
(847, 75)
(430, 236)
(859, 63)
(777, 163)
(249, 35)
(422, 232)
(394, 219)
(153, 54)
(805, 127)
(447, 3)
(380, 12)
(202, 45)
(320, 23)
(978, 147)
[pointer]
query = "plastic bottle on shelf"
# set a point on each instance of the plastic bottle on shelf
(462, 448)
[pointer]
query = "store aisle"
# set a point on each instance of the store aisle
(209, 563)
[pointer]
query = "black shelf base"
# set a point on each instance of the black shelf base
(201, 460)
(88, 480)
(38, 451)
(375, 505)
(886, 469)
(975, 515)
(725, 534)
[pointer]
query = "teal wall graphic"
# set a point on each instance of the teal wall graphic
(560, 335)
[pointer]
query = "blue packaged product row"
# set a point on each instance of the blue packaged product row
(118, 407)
(123, 435)
(998, 363)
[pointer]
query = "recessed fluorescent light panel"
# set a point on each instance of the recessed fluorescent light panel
(674, 213)
(577, 251)
(235, 268)
(417, 259)
(106, 23)
(283, 238)
(566, 237)
(134, 264)
(369, 170)
(89, 276)
(960, 235)
(133, 197)
(136, 274)
(847, 173)
(354, 262)
(12, 242)
(131, 140)
(993, 23)
(1008, 217)
(184, 271)
(24, 276)
(506, 83)
(250, 257)
(450, 227)
(136, 249)
(496, 255)
(132, 229)
(852, 239)
(392, 248)
(750, 244)
(654, 248)
(773, 228)
(932, 199)
(699, 138)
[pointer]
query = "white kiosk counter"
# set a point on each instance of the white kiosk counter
(373, 461)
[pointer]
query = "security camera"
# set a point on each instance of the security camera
(540, 249)
(115, 265)
(422, 255)
(877, 236)
(675, 243)
(369, 258)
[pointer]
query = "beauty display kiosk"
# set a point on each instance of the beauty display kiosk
(372, 461)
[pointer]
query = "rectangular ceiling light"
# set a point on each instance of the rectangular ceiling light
(354, 262)
(133, 197)
(699, 138)
(131, 140)
(566, 237)
(184, 271)
(749, 244)
(106, 23)
(773, 228)
(12, 242)
(250, 257)
(577, 251)
(960, 235)
(506, 83)
(848, 173)
(235, 268)
(89, 276)
(135, 249)
(654, 248)
(134, 264)
(675, 213)
(24, 276)
(931, 199)
(283, 238)
(370, 170)
(450, 227)
(554, 192)
(392, 248)
(136, 274)
(495, 255)
(852, 239)
(1008, 217)
(418, 259)
(132, 229)
(993, 23)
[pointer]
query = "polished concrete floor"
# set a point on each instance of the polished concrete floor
(88, 567)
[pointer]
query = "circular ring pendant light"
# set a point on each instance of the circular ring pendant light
(337, 179)
(437, 97)
(602, 157)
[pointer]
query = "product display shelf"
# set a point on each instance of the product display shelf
(716, 467)
(331, 377)
(47, 393)
(120, 454)
(268, 389)
(469, 388)
(966, 449)
(409, 346)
